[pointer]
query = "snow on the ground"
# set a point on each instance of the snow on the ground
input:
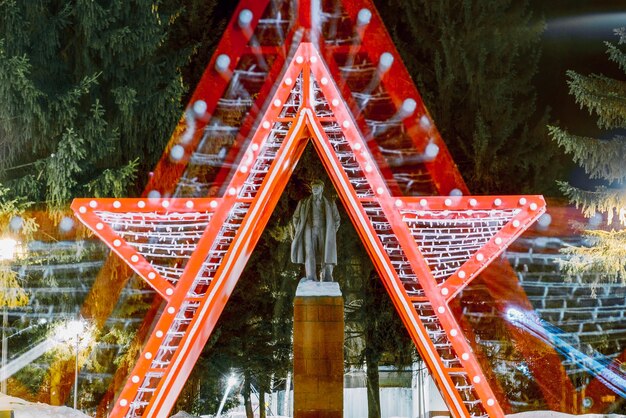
(25, 409)
(552, 414)
(314, 288)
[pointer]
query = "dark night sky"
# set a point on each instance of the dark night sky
(574, 40)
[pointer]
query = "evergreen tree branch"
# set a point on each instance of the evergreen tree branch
(600, 159)
(604, 96)
(604, 258)
(602, 200)
(113, 182)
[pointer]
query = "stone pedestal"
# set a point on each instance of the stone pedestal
(318, 351)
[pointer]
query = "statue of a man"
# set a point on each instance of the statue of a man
(316, 221)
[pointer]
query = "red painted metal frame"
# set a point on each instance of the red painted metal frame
(307, 62)
(374, 40)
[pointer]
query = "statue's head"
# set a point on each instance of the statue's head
(317, 187)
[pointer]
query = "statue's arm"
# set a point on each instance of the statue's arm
(336, 216)
(296, 215)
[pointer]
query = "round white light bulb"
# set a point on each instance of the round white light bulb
(245, 18)
(363, 17)
(222, 63)
(199, 107)
(177, 152)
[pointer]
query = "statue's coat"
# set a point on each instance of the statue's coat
(300, 217)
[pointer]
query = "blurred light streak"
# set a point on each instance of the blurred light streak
(598, 365)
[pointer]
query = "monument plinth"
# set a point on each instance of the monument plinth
(318, 350)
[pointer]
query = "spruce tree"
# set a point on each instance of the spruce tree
(90, 93)
(602, 159)
(474, 63)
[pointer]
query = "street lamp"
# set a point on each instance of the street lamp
(74, 333)
(232, 381)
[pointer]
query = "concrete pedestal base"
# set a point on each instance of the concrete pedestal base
(318, 351)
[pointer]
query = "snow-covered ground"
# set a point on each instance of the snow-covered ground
(25, 409)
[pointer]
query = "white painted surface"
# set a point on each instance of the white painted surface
(313, 288)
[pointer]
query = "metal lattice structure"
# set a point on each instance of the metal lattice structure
(192, 251)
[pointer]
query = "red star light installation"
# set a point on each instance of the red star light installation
(192, 251)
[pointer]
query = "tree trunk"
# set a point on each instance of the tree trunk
(373, 387)
(246, 395)
(262, 407)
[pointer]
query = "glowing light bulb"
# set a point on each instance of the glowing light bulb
(432, 150)
(408, 107)
(245, 18)
(177, 152)
(363, 17)
(385, 61)
(222, 63)
(199, 107)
